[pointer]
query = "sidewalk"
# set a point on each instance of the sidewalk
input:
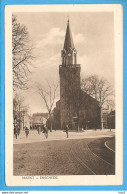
(60, 135)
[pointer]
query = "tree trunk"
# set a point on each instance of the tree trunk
(101, 119)
(50, 122)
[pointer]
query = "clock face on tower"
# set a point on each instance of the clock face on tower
(69, 54)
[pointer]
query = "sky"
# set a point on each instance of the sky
(93, 37)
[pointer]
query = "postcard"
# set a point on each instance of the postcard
(63, 95)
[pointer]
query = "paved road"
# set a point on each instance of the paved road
(61, 157)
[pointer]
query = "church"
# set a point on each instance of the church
(75, 106)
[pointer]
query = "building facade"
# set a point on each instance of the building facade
(38, 119)
(111, 120)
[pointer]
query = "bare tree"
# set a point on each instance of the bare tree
(48, 96)
(98, 88)
(89, 85)
(22, 54)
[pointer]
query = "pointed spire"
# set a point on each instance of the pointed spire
(68, 43)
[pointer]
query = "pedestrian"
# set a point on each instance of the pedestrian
(15, 132)
(39, 129)
(18, 131)
(42, 128)
(26, 131)
(45, 131)
(67, 129)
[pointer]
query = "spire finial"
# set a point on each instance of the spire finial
(68, 43)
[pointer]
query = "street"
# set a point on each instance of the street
(81, 154)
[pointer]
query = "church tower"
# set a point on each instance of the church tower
(69, 72)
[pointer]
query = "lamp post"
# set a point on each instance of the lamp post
(86, 124)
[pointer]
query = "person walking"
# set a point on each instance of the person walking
(46, 131)
(67, 129)
(26, 131)
(18, 131)
(15, 132)
(39, 129)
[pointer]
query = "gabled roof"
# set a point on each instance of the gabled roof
(68, 43)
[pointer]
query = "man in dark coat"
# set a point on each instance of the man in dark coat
(67, 129)
(15, 132)
(45, 131)
(18, 131)
(26, 131)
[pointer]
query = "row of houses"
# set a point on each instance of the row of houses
(23, 119)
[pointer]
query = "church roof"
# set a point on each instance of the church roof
(89, 98)
(68, 43)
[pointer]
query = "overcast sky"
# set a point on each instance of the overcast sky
(93, 37)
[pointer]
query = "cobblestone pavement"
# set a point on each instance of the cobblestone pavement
(72, 157)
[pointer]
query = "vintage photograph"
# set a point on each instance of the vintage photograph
(63, 93)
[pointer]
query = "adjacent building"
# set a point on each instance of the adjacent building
(38, 119)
